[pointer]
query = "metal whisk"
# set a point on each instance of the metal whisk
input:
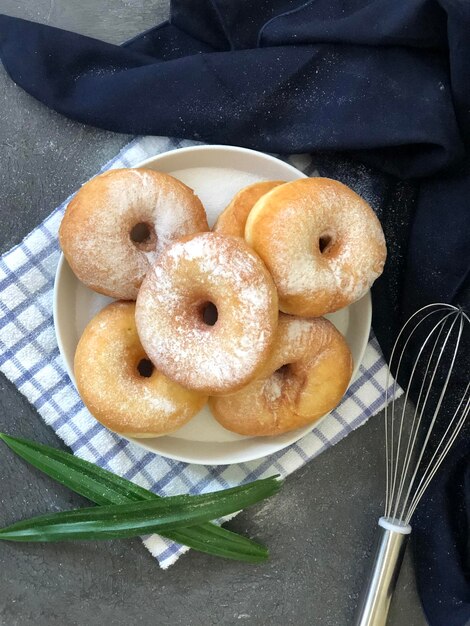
(431, 345)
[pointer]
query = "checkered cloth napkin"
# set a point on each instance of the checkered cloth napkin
(30, 358)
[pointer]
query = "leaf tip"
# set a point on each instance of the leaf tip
(7, 439)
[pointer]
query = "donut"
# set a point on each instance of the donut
(119, 385)
(207, 313)
(118, 223)
(305, 377)
(232, 220)
(322, 243)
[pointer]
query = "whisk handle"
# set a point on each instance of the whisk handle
(390, 549)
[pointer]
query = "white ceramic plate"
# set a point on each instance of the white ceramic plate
(206, 169)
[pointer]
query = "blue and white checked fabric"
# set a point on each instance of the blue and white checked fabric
(29, 357)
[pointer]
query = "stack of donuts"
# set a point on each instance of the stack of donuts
(231, 316)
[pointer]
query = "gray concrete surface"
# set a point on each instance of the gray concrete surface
(320, 529)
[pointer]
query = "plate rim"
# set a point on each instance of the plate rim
(296, 435)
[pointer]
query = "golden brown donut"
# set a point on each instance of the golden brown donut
(119, 385)
(232, 220)
(305, 377)
(207, 313)
(322, 243)
(120, 221)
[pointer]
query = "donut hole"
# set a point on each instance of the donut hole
(143, 236)
(145, 368)
(209, 313)
(275, 388)
(286, 374)
(283, 374)
(325, 242)
(283, 371)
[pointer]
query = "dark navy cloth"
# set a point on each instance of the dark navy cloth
(441, 547)
(379, 90)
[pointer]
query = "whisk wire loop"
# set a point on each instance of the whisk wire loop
(389, 427)
(407, 472)
(421, 410)
(415, 423)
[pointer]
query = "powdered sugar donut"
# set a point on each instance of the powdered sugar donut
(233, 218)
(305, 377)
(322, 243)
(120, 386)
(207, 313)
(118, 223)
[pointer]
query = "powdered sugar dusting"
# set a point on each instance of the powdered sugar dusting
(164, 405)
(296, 328)
(218, 269)
(95, 233)
(171, 208)
(302, 212)
(272, 389)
